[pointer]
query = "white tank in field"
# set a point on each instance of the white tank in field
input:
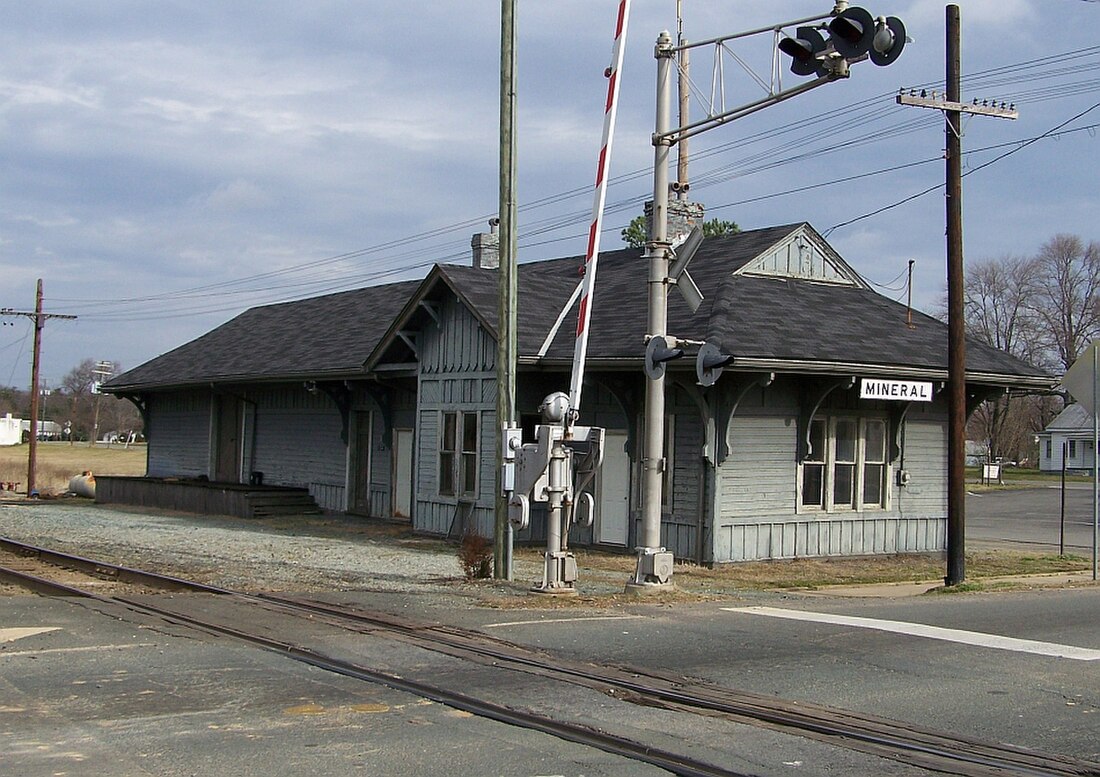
(83, 485)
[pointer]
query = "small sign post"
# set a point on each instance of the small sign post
(1082, 380)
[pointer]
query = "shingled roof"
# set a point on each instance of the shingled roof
(767, 322)
(779, 324)
(321, 337)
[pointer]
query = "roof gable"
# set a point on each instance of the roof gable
(803, 255)
(1073, 418)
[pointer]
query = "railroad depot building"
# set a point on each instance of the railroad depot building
(826, 436)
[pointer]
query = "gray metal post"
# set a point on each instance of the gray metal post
(1095, 458)
(1062, 514)
(506, 308)
(657, 253)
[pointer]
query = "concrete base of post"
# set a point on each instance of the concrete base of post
(570, 591)
(559, 574)
(653, 573)
(647, 589)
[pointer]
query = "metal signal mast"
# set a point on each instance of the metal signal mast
(564, 459)
(824, 46)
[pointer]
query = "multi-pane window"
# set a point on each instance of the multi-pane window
(846, 466)
(458, 453)
(845, 431)
(874, 461)
(813, 467)
(1073, 449)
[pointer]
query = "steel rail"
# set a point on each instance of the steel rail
(588, 736)
(927, 748)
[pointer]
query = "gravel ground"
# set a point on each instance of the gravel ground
(300, 553)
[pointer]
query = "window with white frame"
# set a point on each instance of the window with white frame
(458, 456)
(1073, 449)
(846, 466)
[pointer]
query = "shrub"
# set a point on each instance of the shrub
(476, 555)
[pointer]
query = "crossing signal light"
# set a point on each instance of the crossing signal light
(658, 352)
(853, 34)
(709, 364)
(888, 41)
(852, 31)
(804, 49)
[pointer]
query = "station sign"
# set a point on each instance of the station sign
(896, 390)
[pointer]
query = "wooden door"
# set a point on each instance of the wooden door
(360, 480)
(403, 452)
(613, 514)
(227, 460)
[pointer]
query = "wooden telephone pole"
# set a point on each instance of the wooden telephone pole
(953, 108)
(39, 318)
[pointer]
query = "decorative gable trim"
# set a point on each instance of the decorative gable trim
(804, 256)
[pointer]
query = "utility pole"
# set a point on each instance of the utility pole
(39, 318)
(684, 91)
(953, 109)
(506, 309)
(102, 371)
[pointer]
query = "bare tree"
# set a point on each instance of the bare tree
(999, 298)
(1067, 304)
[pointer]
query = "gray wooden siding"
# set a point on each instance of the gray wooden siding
(924, 456)
(457, 372)
(758, 477)
(434, 512)
(381, 466)
(757, 497)
(297, 443)
(179, 445)
(458, 345)
(680, 524)
(832, 536)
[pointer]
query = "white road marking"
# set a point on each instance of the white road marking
(85, 649)
(977, 638)
(562, 620)
(10, 635)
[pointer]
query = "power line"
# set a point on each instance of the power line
(795, 135)
(910, 198)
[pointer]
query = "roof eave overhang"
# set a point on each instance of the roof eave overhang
(236, 380)
(803, 367)
(901, 371)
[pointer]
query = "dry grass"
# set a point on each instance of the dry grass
(813, 573)
(56, 462)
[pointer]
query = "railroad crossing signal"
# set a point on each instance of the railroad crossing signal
(658, 352)
(709, 363)
(853, 34)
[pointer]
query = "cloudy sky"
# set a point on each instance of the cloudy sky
(166, 165)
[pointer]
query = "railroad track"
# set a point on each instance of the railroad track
(903, 742)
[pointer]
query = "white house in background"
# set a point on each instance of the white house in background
(11, 430)
(1070, 435)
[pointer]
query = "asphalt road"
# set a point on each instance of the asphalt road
(1032, 517)
(957, 681)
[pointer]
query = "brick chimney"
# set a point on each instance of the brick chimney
(486, 247)
(682, 216)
